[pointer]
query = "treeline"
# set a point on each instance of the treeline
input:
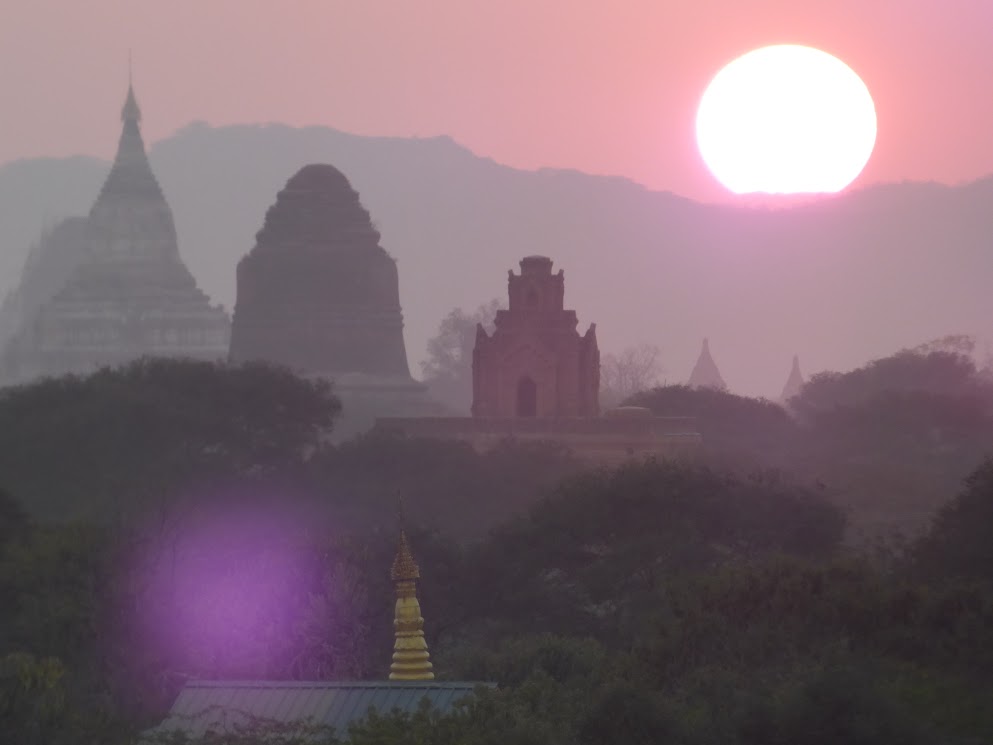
(888, 442)
(177, 520)
(648, 604)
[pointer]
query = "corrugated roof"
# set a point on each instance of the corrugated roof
(222, 706)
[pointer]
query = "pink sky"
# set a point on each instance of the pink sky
(601, 87)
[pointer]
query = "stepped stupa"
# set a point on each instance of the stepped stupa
(129, 294)
(320, 295)
(705, 373)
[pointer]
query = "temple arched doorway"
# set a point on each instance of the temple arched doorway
(527, 397)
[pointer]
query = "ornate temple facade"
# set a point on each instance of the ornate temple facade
(320, 295)
(536, 379)
(536, 364)
(129, 294)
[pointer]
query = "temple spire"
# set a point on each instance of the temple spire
(131, 173)
(411, 660)
(794, 382)
(705, 373)
(131, 112)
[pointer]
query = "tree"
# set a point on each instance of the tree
(113, 442)
(12, 518)
(606, 542)
(958, 543)
(447, 371)
(734, 428)
(834, 705)
(944, 367)
(634, 370)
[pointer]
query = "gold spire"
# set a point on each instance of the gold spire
(411, 660)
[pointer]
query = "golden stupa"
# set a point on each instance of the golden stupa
(411, 660)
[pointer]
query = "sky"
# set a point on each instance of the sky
(606, 88)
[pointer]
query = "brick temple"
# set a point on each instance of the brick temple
(537, 379)
(536, 364)
(319, 294)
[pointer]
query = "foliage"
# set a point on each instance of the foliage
(635, 369)
(253, 731)
(887, 442)
(32, 696)
(606, 541)
(447, 371)
(12, 517)
(958, 543)
(446, 484)
(656, 602)
(127, 436)
(737, 430)
(833, 705)
(935, 370)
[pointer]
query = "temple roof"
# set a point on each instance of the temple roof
(318, 208)
(221, 706)
(705, 373)
(318, 176)
(131, 175)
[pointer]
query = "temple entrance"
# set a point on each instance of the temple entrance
(527, 397)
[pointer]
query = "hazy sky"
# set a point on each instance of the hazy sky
(604, 87)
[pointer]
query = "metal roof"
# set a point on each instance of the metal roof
(222, 706)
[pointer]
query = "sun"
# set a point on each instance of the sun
(786, 119)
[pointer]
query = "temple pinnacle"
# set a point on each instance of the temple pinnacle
(794, 382)
(411, 660)
(131, 112)
(705, 373)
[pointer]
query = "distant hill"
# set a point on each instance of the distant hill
(837, 280)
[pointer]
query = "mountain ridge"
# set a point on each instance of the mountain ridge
(839, 280)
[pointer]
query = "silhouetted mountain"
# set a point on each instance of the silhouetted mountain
(839, 280)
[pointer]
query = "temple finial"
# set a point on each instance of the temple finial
(130, 112)
(794, 383)
(411, 660)
(705, 373)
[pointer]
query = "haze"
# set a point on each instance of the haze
(532, 86)
(609, 89)
(378, 373)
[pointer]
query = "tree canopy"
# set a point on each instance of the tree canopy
(447, 371)
(717, 600)
(84, 445)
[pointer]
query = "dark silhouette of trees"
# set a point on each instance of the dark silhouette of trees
(120, 438)
(660, 601)
(737, 430)
(940, 371)
(12, 518)
(447, 371)
(960, 541)
(631, 371)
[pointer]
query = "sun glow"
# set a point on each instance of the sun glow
(786, 119)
